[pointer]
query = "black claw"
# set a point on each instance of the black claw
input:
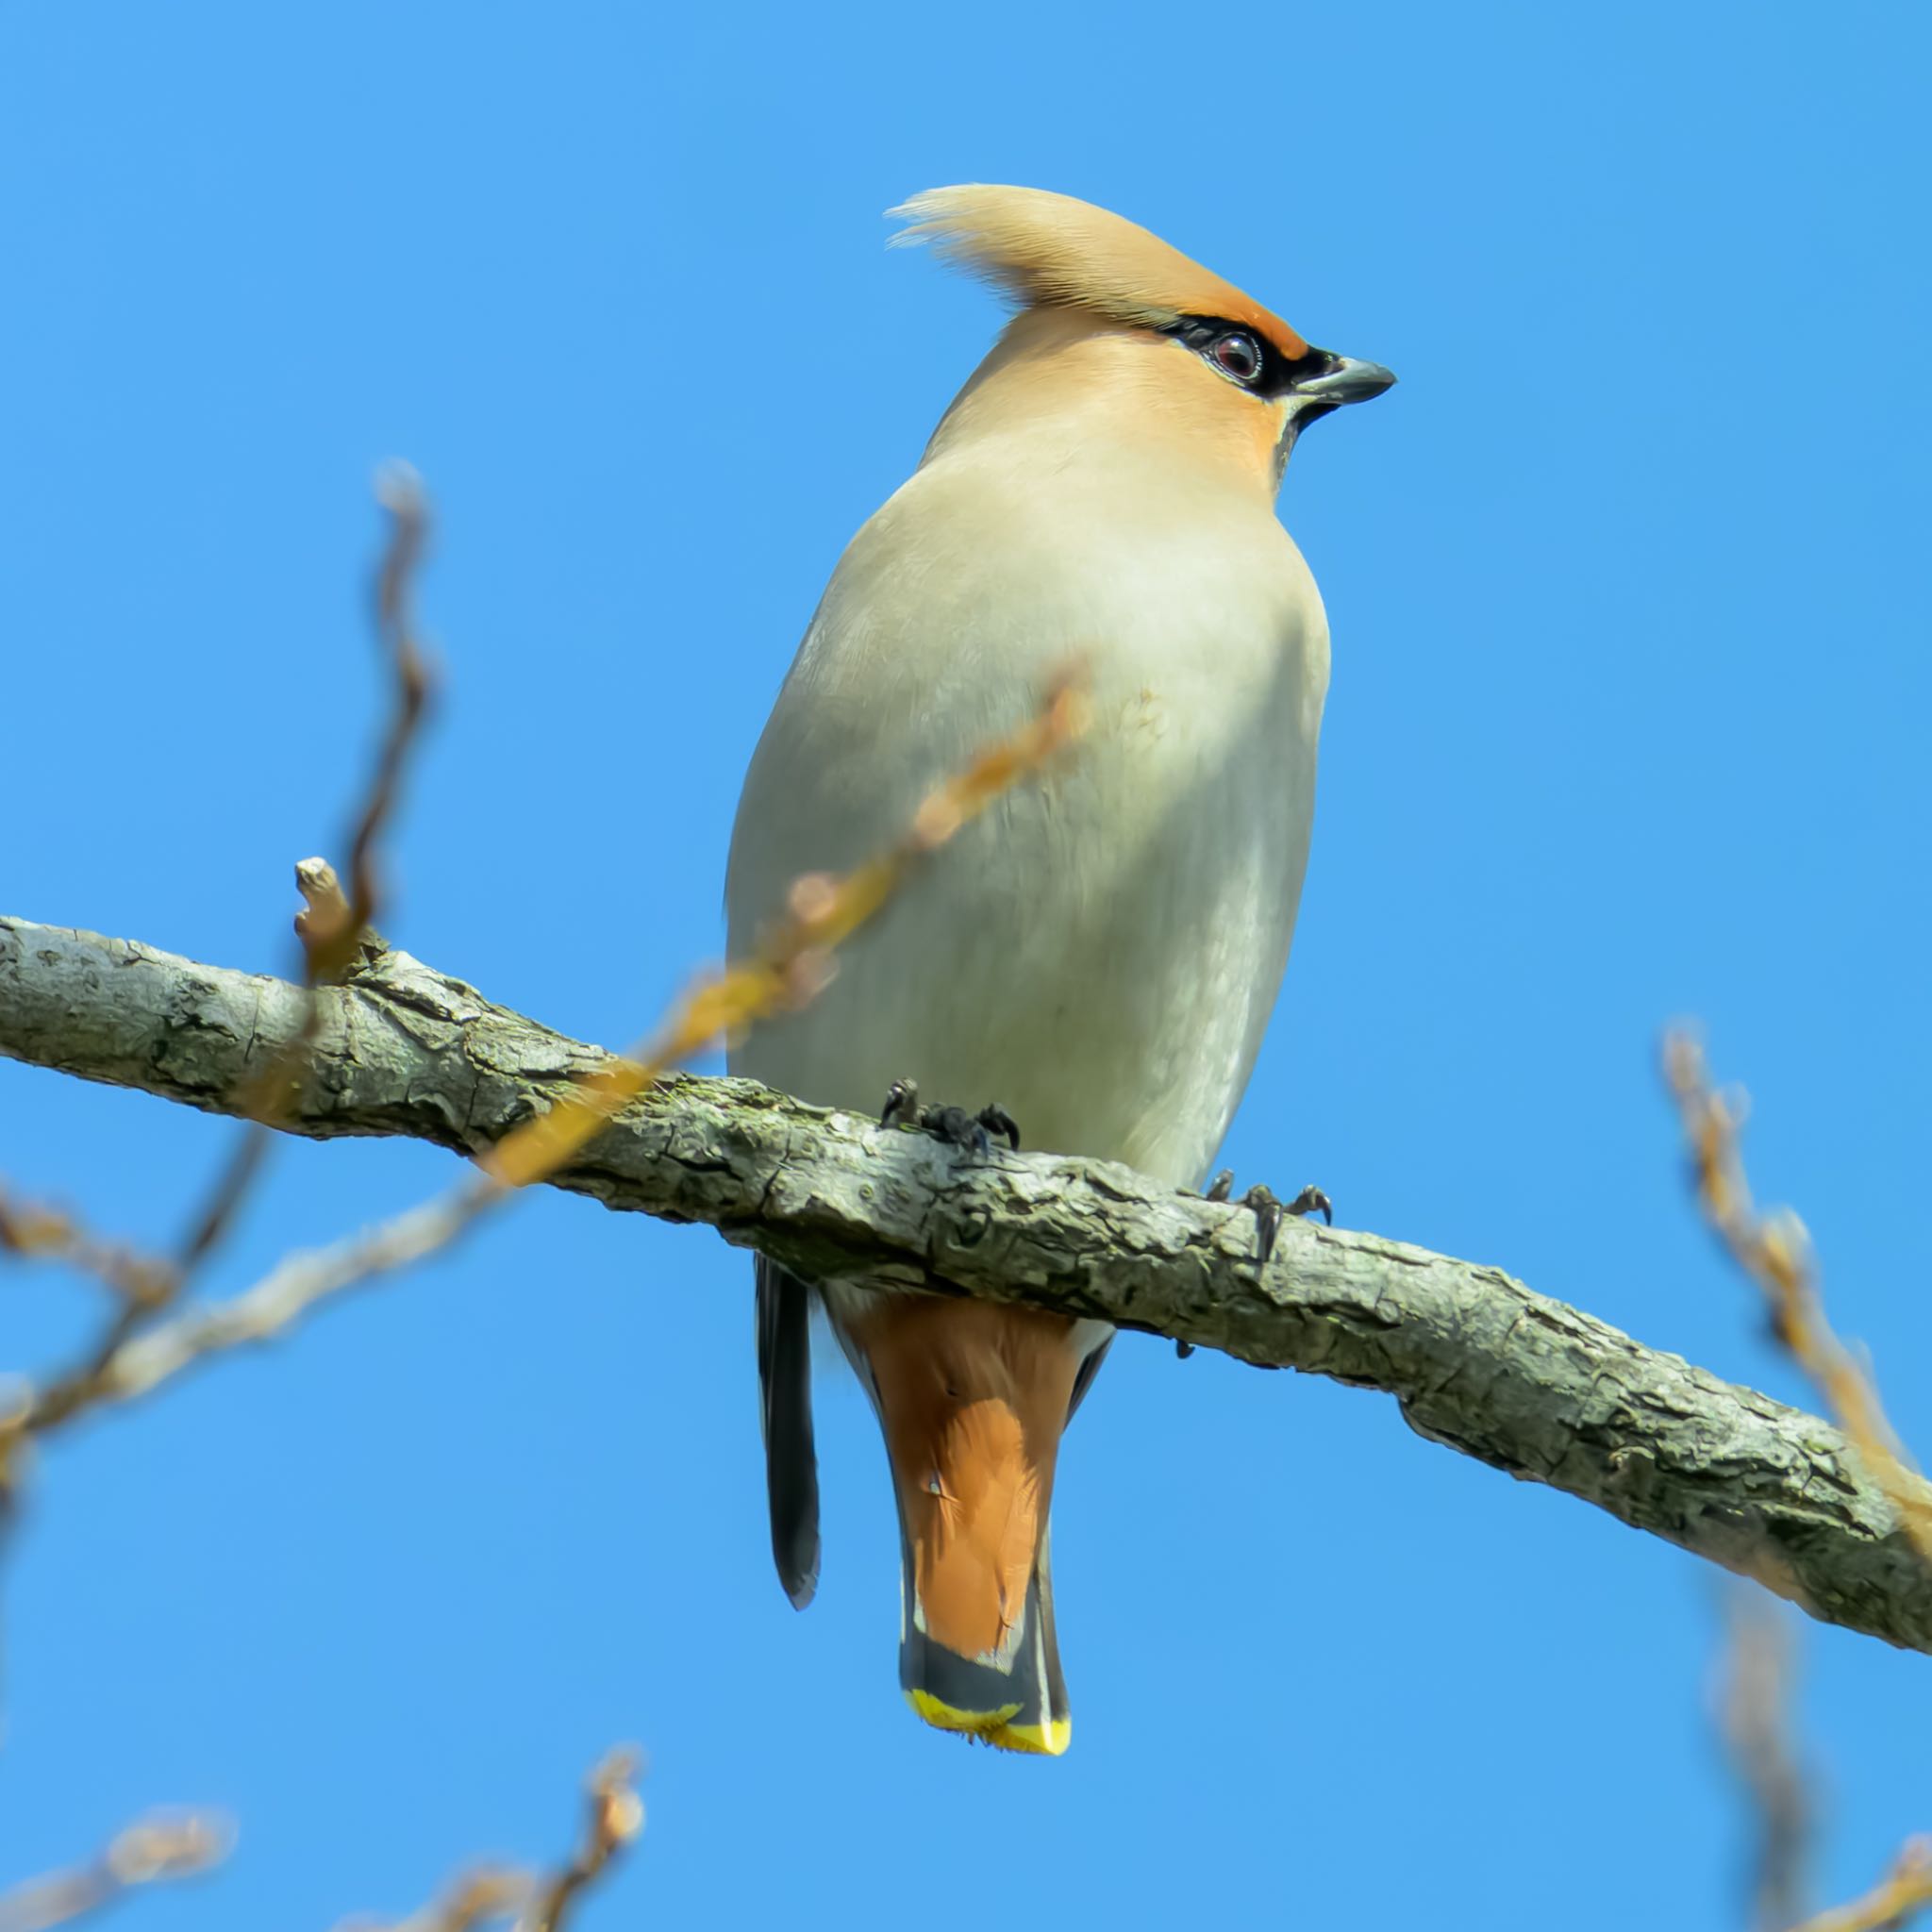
(1267, 1210)
(1262, 1205)
(972, 1132)
(1182, 1350)
(953, 1123)
(1311, 1200)
(902, 1103)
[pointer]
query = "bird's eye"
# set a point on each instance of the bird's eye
(1237, 354)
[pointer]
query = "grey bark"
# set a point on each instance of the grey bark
(1475, 1360)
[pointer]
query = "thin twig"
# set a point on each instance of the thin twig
(483, 1895)
(163, 1845)
(31, 1230)
(234, 1182)
(284, 1294)
(537, 1902)
(614, 1816)
(1904, 1891)
(329, 944)
(793, 962)
(1754, 1711)
(332, 925)
(1775, 1251)
(331, 928)
(794, 958)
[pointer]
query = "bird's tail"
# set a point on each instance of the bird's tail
(1012, 1695)
(973, 1477)
(972, 1399)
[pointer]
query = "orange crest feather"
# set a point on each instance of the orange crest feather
(1041, 249)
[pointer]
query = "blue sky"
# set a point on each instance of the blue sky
(1631, 680)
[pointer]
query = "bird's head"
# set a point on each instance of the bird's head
(1230, 375)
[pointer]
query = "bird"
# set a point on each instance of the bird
(1096, 957)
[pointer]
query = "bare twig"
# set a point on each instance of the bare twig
(163, 1845)
(483, 1895)
(538, 1901)
(233, 1183)
(329, 935)
(792, 964)
(796, 955)
(1775, 1251)
(331, 929)
(1903, 1892)
(332, 925)
(613, 1817)
(31, 1230)
(289, 1288)
(1754, 1709)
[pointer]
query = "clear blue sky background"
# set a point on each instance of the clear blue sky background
(1629, 719)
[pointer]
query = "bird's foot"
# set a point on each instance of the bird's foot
(1268, 1211)
(971, 1131)
(1311, 1200)
(1269, 1214)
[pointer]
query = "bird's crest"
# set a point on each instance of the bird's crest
(1042, 249)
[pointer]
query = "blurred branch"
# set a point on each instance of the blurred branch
(136, 1349)
(614, 1816)
(1904, 1891)
(257, 1314)
(33, 1231)
(163, 1845)
(332, 925)
(538, 1901)
(1775, 1251)
(793, 961)
(483, 1895)
(795, 956)
(1754, 1711)
(331, 930)
(1477, 1360)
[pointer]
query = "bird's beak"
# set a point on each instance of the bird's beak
(1344, 381)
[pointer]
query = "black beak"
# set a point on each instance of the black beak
(1339, 379)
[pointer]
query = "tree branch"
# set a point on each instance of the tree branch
(162, 1846)
(1475, 1360)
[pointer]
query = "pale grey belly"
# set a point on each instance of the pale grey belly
(1098, 955)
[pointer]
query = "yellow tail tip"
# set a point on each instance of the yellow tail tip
(995, 1728)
